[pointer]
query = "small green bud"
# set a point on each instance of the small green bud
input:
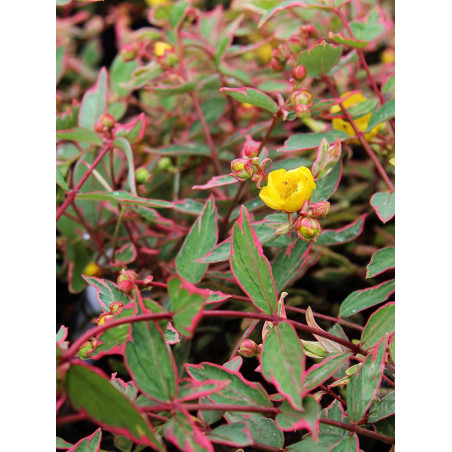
(309, 229)
(142, 175)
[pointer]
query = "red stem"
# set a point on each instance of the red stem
(209, 407)
(72, 194)
(69, 418)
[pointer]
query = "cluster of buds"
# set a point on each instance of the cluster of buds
(126, 280)
(115, 308)
(308, 226)
(249, 349)
(302, 101)
(280, 55)
(165, 54)
(105, 124)
(248, 165)
(129, 51)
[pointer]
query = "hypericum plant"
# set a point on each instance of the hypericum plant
(218, 174)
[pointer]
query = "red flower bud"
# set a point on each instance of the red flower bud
(125, 286)
(276, 65)
(241, 169)
(299, 72)
(250, 148)
(116, 307)
(249, 349)
(309, 30)
(320, 209)
(302, 97)
(302, 111)
(129, 52)
(308, 229)
(105, 123)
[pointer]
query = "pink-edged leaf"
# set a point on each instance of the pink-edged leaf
(90, 392)
(381, 261)
(203, 236)
(192, 389)
(381, 322)
(319, 373)
(234, 435)
(238, 392)
(94, 102)
(129, 389)
(335, 412)
(347, 41)
(171, 334)
(327, 157)
(61, 61)
(89, 444)
(327, 185)
(250, 266)
(182, 431)
(263, 430)
(349, 443)
(107, 292)
(123, 197)
(126, 254)
(329, 346)
(290, 419)
(287, 5)
(62, 444)
(123, 144)
(289, 262)
(79, 134)
(252, 96)
(133, 131)
(216, 181)
(234, 363)
(186, 301)
(307, 141)
(343, 235)
(384, 205)
(382, 408)
(283, 362)
(150, 361)
(362, 299)
(363, 386)
(61, 337)
(320, 59)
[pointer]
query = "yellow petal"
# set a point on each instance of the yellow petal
(275, 183)
(270, 201)
(294, 202)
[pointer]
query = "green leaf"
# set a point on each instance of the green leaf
(124, 198)
(170, 90)
(107, 291)
(250, 266)
(124, 145)
(196, 149)
(238, 392)
(389, 86)
(141, 76)
(347, 41)
(182, 431)
(384, 113)
(369, 30)
(282, 362)
(290, 419)
(380, 323)
(79, 134)
(62, 444)
(386, 426)
(305, 141)
(384, 205)
(221, 47)
(362, 299)
(320, 59)
(334, 412)
(121, 72)
(234, 435)
(151, 362)
(381, 261)
(94, 102)
(324, 443)
(363, 385)
(383, 408)
(177, 14)
(289, 263)
(89, 444)
(319, 373)
(252, 96)
(186, 301)
(343, 235)
(60, 180)
(89, 390)
(202, 237)
(188, 206)
(263, 430)
(348, 444)
(327, 185)
(60, 62)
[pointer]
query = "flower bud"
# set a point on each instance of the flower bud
(249, 349)
(308, 229)
(165, 164)
(309, 30)
(302, 97)
(129, 52)
(105, 123)
(116, 307)
(276, 65)
(142, 175)
(126, 280)
(103, 318)
(165, 53)
(250, 148)
(299, 72)
(320, 209)
(303, 111)
(125, 286)
(85, 350)
(241, 169)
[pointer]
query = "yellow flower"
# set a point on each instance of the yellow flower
(361, 123)
(288, 190)
(156, 2)
(161, 47)
(92, 269)
(264, 53)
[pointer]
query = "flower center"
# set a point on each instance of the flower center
(288, 188)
